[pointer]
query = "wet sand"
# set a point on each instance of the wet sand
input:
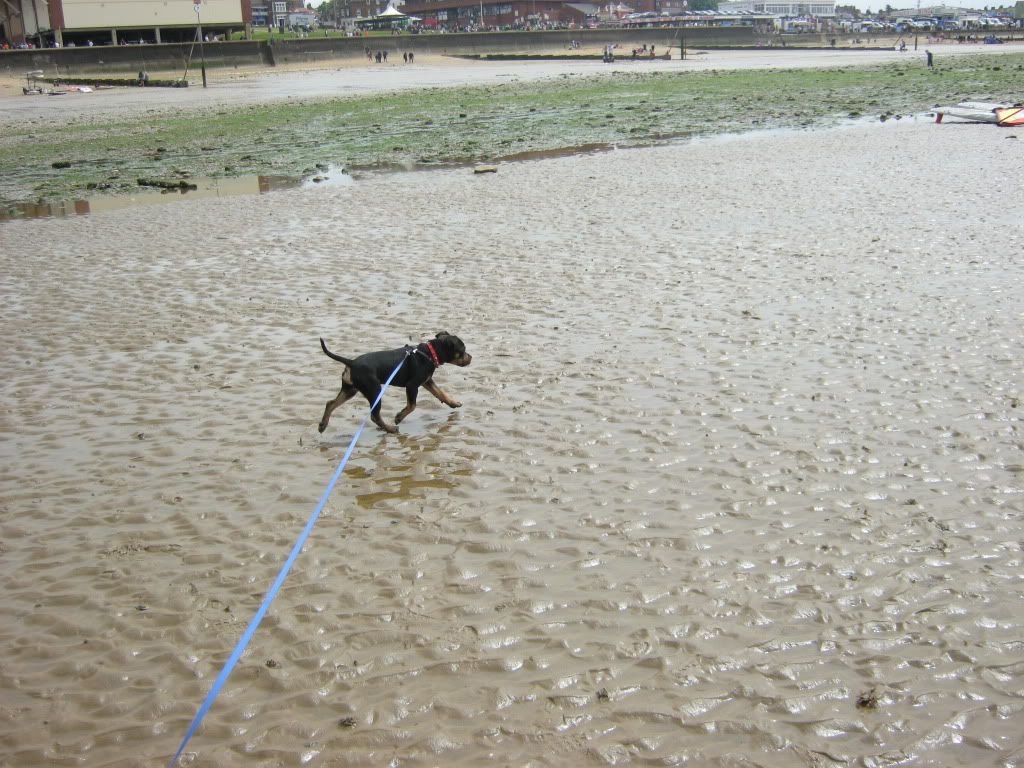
(737, 481)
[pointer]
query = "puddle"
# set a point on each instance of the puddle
(547, 154)
(204, 188)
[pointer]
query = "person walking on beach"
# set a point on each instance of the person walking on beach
(930, 57)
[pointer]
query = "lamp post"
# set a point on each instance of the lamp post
(199, 31)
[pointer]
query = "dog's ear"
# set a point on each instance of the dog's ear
(439, 334)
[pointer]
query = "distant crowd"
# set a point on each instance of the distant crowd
(381, 57)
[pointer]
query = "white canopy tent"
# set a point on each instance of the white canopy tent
(389, 17)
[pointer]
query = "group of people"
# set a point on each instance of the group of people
(6, 45)
(381, 57)
(643, 51)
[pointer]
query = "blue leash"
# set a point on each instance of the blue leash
(281, 576)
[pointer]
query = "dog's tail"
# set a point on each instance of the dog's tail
(333, 356)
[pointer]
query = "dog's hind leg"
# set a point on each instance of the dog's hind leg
(346, 393)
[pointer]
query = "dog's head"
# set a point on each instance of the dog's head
(450, 349)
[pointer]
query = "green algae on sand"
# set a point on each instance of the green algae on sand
(443, 126)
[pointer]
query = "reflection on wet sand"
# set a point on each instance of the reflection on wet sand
(207, 188)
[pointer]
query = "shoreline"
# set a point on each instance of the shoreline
(258, 184)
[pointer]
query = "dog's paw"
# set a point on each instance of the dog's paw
(454, 404)
(321, 427)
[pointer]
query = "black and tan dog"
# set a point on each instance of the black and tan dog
(367, 374)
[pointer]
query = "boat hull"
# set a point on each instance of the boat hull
(983, 112)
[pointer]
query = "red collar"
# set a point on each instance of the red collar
(433, 355)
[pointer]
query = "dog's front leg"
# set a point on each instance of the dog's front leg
(410, 402)
(440, 394)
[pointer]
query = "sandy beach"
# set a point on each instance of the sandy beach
(737, 479)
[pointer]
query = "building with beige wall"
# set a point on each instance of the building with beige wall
(118, 22)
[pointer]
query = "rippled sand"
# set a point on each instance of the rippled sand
(737, 482)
